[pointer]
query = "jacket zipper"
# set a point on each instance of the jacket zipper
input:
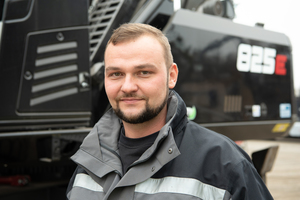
(115, 153)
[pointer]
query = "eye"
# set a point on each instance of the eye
(144, 73)
(115, 74)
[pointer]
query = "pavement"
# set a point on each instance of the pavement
(283, 180)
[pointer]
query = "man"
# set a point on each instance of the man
(144, 147)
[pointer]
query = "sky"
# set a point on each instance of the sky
(277, 15)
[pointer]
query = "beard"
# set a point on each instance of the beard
(147, 113)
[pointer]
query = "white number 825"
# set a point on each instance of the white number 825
(256, 59)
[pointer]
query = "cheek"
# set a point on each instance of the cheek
(111, 90)
(157, 89)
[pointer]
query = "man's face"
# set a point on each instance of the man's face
(137, 79)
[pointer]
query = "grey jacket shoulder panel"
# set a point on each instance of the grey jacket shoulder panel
(215, 160)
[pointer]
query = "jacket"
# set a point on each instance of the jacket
(186, 161)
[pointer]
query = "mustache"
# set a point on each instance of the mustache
(131, 95)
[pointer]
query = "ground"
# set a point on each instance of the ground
(283, 180)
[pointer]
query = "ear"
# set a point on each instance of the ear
(173, 74)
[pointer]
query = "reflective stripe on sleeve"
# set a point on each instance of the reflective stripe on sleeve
(178, 185)
(85, 181)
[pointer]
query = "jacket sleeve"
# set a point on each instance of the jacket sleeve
(71, 182)
(247, 183)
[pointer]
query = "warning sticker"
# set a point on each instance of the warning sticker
(280, 127)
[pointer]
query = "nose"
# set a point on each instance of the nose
(129, 85)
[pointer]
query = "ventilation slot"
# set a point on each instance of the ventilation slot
(56, 71)
(56, 47)
(53, 84)
(55, 59)
(52, 96)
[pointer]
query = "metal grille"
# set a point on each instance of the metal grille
(232, 103)
(55, 73)
(101, 15)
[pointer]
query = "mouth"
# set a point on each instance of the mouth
(130, 100)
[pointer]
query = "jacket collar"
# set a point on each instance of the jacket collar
(176, 111)
(99, 149)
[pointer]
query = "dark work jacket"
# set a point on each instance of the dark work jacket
(186, 161)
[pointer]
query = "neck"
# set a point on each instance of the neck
(146, 128)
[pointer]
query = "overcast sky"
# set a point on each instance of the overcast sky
(277, 15)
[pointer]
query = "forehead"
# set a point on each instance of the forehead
(144, 42)
(144, 47)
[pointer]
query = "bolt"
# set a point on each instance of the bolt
(153, 169)
(28, 75)
(60, 37)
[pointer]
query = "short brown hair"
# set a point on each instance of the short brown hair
(130, 31)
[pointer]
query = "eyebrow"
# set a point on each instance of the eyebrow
(111, 68)
(147, 65)
(143, 66)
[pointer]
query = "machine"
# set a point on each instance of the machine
(236, 80)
